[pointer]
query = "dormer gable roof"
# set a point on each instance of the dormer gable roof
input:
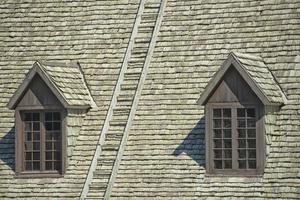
(64, 80)
(256, 74)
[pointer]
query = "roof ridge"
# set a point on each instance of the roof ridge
(246, 56)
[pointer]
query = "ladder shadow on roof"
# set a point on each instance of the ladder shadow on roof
(193, 144)
(7, 146)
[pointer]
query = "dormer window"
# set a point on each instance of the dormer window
(42, 144)
(235, 103)
(41, 106)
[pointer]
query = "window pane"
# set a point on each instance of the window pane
(250, 112)
(49, 135)
(218, 143)
(218, 133)
(242, 133)
(226, 123)
(49, 165)
(242, 143)
(241, 123)
(48, 145)
(28, 156)
(28, 136)
(242, 164)
(242, 153)
(227, 153)
(218, 164)
(27, 117)
(28, 146)
(251, 133)
(48, 126)
(216, 113)
(227, 143)
(218, 153)
(27, 126)
(36, 146)
(251, 143)
(36, 156)
(36, 136)
(252, 164)
(56, 126)
(57, 165)
(56, 136)
(227, 113)
(35, 117)
(57, 155)
(227, 164)
(252, 153)
(217, 123)
(36, 165)
(36, 126)
(251, 123)
(227, 133)
(28, 166)
(56, 145)
(49, 155)
(241, 112)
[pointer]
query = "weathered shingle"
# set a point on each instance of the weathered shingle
(69, 82)
(262, 76)
(164, 157)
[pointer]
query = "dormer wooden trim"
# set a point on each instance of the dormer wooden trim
(38, 70)
(217, 78)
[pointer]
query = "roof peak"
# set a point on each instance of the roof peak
(254, 72)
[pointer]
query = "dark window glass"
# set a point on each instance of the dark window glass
(242, 153)
(226, 113)
(252, 164)
(241, 112)
(227, 133)
(242, 164)
(218, 153)
(227, 164)
(218, 164)
(247, 138)
(217, 123)
(217, 113)
(48, 126)
(218, 133)
(243, 138)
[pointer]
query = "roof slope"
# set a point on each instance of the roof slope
(164, 156)
(262, 76)
(165, 153)
(69, 81)
(96, 33)
(255, 73)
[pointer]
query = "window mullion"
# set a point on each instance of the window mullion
(234, 139)
(42, 141)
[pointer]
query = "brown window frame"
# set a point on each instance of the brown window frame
(19, 142)
(260, 140)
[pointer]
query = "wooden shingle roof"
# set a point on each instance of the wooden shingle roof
(163, 155)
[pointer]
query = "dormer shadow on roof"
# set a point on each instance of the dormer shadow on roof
(254, 72)
(64, 82)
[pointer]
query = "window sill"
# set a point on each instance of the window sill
(39, 174)
(232, 178)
